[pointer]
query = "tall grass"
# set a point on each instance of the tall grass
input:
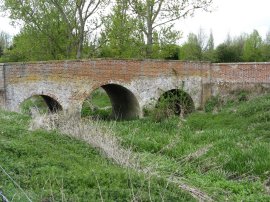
(103, 139)
(49, 166)
(226, 153)
(222, 154)
(92, 132)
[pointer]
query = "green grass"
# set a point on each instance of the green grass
(51, 167)
(226, 154)
(34, 102)
(97, 105)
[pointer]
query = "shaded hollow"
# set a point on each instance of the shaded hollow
(52, 104)
(43, 103)
(176, 102)
(124, 103)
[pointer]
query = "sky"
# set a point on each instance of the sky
(228, 17)
(232, 17)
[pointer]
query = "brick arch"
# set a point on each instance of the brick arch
(124, 102)
(52, 101)
(177, 101)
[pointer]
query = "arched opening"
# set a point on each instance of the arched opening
(42, 103)
(112, 101)
(176, 102)
(97, 105)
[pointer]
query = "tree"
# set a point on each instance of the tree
(43, 47)
(42, 21)
(191, 50)
(266, 48)
(75, 16)
(4, 42)
(85, 15)
(231, 50)
(156, 14)
(164, 43)
(252, 47)
(209, 51)
(225, 53)
(120, 37)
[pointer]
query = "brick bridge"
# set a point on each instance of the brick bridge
(131, 84)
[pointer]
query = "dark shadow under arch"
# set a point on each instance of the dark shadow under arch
(123, 103)
(53, 105)
(43, 103)
(177, 102)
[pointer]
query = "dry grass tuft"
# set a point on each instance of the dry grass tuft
(267, 185)
(197, 154)
(196, 193)
(102, 138)
(92, 132)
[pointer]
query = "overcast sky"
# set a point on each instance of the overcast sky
(229, 16)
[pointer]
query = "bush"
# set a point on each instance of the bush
(172, 103)
(214, 103)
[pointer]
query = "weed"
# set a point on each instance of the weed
(225, 153)
(172, 103)
(97, 106)
(221, 156)
(213, 104)
(51, 167)
(34, 103)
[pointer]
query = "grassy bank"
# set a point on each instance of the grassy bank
(51, 167)
(225, 154)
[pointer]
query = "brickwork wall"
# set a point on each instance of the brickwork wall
(231, 76)
(101, 71)
(242, 72)
(70, 82)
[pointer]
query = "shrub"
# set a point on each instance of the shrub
(214, 103)
(172, 103)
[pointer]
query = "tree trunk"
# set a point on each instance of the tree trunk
(80, 44)
(149, 45)
(80, 41)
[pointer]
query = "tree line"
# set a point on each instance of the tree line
(243, 48)
(69, 29)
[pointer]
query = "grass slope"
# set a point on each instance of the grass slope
(226, 154)
(52, 167)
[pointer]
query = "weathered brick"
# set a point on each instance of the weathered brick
(70, 82)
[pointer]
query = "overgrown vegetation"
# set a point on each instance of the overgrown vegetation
(34, 103)
(171, 103)
(131, 29)
(51, 167)
(217, 103)
(97, 105)
(221, 154)
(226, 154)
